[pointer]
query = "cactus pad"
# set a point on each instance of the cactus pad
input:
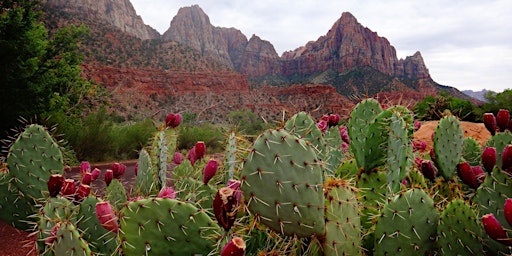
(448, 141)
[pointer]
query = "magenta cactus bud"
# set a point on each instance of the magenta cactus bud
(167, 192)
(490, 123)
(489, 157)
(95, 173)
(344, 147)
(177, 158)
(225, 207)
(173, 120)
(109, 175)
(192, 156)
(55, 184)
(494, 229)
(209, 170)
(506, 158)
(235, 247)
(507, 210)
(322, 125)
(428, 169)
(87, 178)
(118, 170)
(467, 175)
(85, 167)
(200, 149)
(82, 192)
(417, 125)
(334, 119)
(53, 234)
(479, 174)
(106, 216)
(68, 187)
(502, 119)
(344, 134)
(419, 145)
(325, 118)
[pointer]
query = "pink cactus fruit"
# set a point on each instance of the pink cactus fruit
(344, 134)
(87, 178)
(467, 175)
(479, 174)
(419, 145)
(209, 170)
(235, 247)
(118, 170)
(334, 119)
(494, 229)
(55, 184)
(428, 169)
(68, 187)
(192, 156)
(225, 207)
(235, 185)
(506, 159)
(502, 119)
(417, 125)
(106, 216)
(173, 120)
(489, 157)
(95, 173)
(200, 149)
(507, 210)
(177, 158)
(490, 123)
(108, 176)
(167, 192)
(82, 192)
(325, 118)
(85, 167)
(53, 234)
(322, 125)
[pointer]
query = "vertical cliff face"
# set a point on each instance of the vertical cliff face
(260, 58)
(118, 13)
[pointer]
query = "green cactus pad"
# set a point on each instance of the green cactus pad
(499, 141)
(196, 192)
(303, 126)
(145, 184)
(448, 141)
(69, 242)
(116, 194)
(362, 115)
(347, 169)
(375, 151)
(282, 184)
(407, 225)
(32, 159)
(162, 226)
(459, 232)
(14, 208)
(372, 195)
(398, 152)
(333, 154)
(471, 151)
(55, 210)
(230, 162)
(343, 225)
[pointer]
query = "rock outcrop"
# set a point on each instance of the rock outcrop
(118, 13)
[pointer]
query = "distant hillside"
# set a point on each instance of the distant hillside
(477, 94)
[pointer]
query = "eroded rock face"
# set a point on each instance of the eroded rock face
(118, 13)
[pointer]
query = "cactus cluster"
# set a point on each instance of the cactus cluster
(323, 186)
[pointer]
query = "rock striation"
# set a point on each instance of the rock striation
(117, 13)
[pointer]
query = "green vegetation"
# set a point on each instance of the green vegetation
(432, 108)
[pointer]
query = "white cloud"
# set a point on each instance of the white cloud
(465, 44)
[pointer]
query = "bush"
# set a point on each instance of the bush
(432, 108)
(210, 134)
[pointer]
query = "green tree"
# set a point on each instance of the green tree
(39, 72)
(432, 108)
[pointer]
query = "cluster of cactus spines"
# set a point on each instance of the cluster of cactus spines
(458, 231)
(282, 184)
(162, 226)
(448, 141)
(342, 221)
(407, 225)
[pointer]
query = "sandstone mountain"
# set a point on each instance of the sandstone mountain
(207, 70)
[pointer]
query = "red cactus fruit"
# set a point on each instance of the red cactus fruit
(467, 175)
(82, 192)
(419, 145)
(479, 174)
(428, 169)
(118, 170)
(235, 185)
(506, 158)
(235, 247)
(507, 210)
(55, 184)
(53, 234)
(490, 123)
(225, 207)
(200, 149)
(68, 187)
(173, 120)
(489, 158)
(177, 158)
(322, 125)
(87, 178)
(417, 125)
(209, 170)
(494, 229)
(85, 167)
(502, 119)
(109, 175)
(95, 173)
(334, 119)
(167, 192)
(192, 156)
(106, 216)
(344, 134)
(325, 118)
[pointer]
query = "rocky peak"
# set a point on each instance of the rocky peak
(118, 13)
(414, 66)
(260, 58)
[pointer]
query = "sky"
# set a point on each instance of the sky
(466, 44)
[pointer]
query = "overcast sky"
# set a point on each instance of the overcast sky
(464, 43)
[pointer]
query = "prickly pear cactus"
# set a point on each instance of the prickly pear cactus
(230, 163)
(282, 184)
(68, 242)
(15, 209)
(116, 194)
(372, 190)
(499, 141)
(32, 158)
(448, 141)
(145, 184)
(399, 152)
(407, 225)
(459, 232)
(375, 151)
(162, 226)
(361, 117)
(471, 151)
(343, 225)
(303, 126)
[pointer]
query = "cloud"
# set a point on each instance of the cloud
(465, 44)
